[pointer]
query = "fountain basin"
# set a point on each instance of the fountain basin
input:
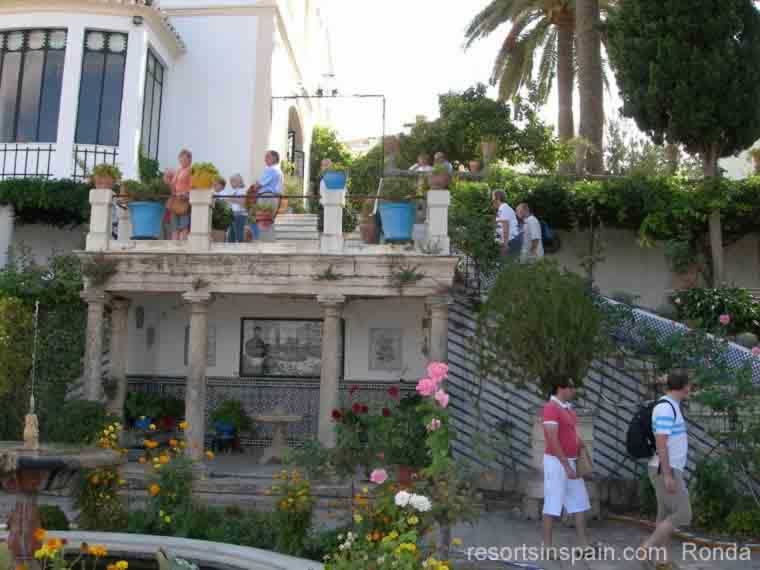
(216, 555)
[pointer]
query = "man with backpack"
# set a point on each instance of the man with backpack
(667, 465)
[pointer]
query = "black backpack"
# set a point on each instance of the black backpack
(639, 441)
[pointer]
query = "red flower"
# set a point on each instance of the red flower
(393, 392)
(354, 388)
(386, 412)
(356, 408)
(336, 415)
(365, 408)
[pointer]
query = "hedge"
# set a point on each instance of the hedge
(60, 203)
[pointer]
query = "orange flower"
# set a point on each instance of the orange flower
(182, 425)
(97, 550)
(150, 444)
(164, 459)
(40, 534)
(173, 442)
(142, 460)
(210, 455)
(154, 490)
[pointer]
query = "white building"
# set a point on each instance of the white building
(85, 82)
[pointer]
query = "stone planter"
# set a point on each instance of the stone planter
(439, 181)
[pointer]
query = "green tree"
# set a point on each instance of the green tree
(15, 343)
(689, 73)
(325, 144)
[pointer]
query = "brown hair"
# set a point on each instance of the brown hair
(186, 153)
(678, 379)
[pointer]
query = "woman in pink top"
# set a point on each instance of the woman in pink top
(181, 182)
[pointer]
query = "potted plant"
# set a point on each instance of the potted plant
(397, 210)
(221, 220)
(140, 409)
(146, 206)
(230, 417)
(104, 176)
(335, 177)
(367, 224)
(440, 178)
(264, 215)
(204, 174)
(170, 410)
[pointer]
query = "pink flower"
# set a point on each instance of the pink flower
(379, 476)
(725, 319)
(427, 387)
(756, 351)
(434, 424)
(442, 398)
(438, 371)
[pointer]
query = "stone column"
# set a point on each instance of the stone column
(124, 231)
(437, 229)
(332, 233)
(118, 350)
(93, 359)
(200, 220)
(100, 220)
(439, 328)
(195, 391)
(332, 306)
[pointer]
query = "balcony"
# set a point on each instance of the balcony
(296, 260)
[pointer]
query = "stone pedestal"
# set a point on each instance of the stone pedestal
(118, 351)
(439, 328)
(195, 392)
(93, 358)
(200, 220)
(332, 232)
(438, 202)
(279, 447)
(124, 228)
(99, 235)
(328, 387)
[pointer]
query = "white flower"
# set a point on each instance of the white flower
(422, 504)
(402, 498)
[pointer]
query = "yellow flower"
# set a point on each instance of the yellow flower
(182, 444)
(365, 490)
(167, 519)
(154, 490)
(122, 565)
(413, 520)
(210, 455)
(152, 427)
(457, 542)
(97, 550)
(358, 518)
(182, 425)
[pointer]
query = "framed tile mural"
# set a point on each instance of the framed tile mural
(385, 349)
(281, 348)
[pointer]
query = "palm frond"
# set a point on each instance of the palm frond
(518, 66)
(547, 68)
(495, 14)
(510, 43)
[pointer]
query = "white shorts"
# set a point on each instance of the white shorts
(559, 491)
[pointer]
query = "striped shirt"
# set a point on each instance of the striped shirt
(674, 426)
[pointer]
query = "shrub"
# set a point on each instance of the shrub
(472, 223)
(706, 306)
(91, 419)
(221, 215)
(744, 522)
(294, 509)
(59, 203)
(399, 189)
(647, 496)
(16, 339)
(52, 517)
(109, 170)
(714, 493)
(232, 412)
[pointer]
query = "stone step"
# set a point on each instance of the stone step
(300, 236)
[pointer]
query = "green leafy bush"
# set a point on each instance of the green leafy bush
(91, 419)
(472, 223)
(714, 495)
(221, 215)
(16, 339)
(232, 412)
(59, 203)
(647, 496)
(52, 517)
(744, 522)
(706, 306)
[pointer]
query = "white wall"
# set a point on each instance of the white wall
(210, 98)
(6, 232)
(168, 317)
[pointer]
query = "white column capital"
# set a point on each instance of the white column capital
(198, 300)
(94, 296)
(438, 302)
(331, 301)
(120, 303)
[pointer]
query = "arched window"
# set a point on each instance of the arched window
(31, 75)
(101, 88)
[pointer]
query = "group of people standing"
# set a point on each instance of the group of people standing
(518, 231)
(423, 163)
(239, 198)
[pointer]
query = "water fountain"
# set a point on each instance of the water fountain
(28, 468)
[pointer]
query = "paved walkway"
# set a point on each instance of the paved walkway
(504, 532)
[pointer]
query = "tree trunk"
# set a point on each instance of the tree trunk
(672, 157)
(589, 157)
(710, 169)
(565, 84)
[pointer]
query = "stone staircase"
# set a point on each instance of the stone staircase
(296, 227)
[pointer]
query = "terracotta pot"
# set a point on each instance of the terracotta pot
(283, 206)
(104, 182)
(474, 166)
(439, 181)
(264, 219)
(406, 476)
(218, 235)
(368, 232)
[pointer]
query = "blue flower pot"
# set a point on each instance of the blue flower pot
(334, 180)
(224, 428)
(142, 424)
(398, 219)
(146, 219)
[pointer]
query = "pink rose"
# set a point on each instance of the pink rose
(725, 319)
(434, 424)
(438, 371)
(442, 398)
(427, 387)
(379, 476)
(756, 351)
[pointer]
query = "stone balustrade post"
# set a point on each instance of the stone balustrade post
(437, 229)
(332, 234)
(329, 396)
(195, 390)
(96, 301)
(200, 220)
(99, 235)
(118, 351)
(124, 231)
(439, 328)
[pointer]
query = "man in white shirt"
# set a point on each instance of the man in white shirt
(532, 242)
(234, 196)
(667, 466)
(422, 164)
(507, 230)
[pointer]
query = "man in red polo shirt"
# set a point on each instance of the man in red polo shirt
(562, 487)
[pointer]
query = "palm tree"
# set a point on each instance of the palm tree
(536, 24)
(590, 85)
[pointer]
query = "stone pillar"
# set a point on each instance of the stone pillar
(195, 391)
(439, 328)
(332, 234)
(100, 220)
(118, 350)
(200, 220)
(63, 163)
(124, 230)
(331, 346)
(93, 358)
(438, 221)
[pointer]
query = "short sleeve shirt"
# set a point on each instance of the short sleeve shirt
(233, 193)
(505, 213)
(271, 180)
(532, 231)
(561, 415)
(665, 422)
